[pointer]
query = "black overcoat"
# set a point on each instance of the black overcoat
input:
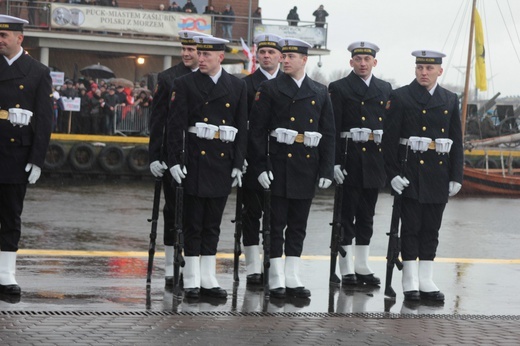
(25, 84)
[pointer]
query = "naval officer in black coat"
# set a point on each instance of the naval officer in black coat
(157, 149)
(25, 129)
(423, 126)
(292, 124)
(269, 57)
(207, 122)
(359, 105)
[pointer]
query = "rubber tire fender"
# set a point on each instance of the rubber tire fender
(55, 156)
(137, 159)
(111, 158)
(82, 156)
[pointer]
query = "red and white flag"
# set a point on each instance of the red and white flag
(250, 56)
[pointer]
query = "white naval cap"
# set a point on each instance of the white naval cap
(268, 40)
(294, 45)
(186, 37)
(428, 57)
(11, 23)
(363, 47)
(210, 43)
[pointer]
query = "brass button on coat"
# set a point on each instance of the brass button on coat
(289, 155)
(203, 152)
(421, 162)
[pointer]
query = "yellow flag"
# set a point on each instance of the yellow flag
(480, 55)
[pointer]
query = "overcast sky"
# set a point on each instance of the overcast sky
(399, 27)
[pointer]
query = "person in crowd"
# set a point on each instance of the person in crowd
(111, 101)
(291, 149)
(68, 91)
(174, 7)
(121, 95)
(293, 18)
(359, 103)
(93, 88)
(25, 129)
(424, 163)
(161, 7)
(97, 125)
(189, 7)
(204, 104)
(257, 16)
(227, 22)
(320, 16)
(269, 57)
(210, 9)
(157, 148)
(84, 113)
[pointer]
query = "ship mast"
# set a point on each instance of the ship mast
(468, 69)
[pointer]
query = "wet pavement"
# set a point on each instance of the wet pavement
(84, 254)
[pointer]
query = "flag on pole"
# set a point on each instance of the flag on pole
(480, 55)
(253, 61)
(248, 54)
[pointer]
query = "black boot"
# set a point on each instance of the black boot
(298, 292)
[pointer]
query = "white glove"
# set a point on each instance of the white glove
(324, 183)
(35, 173)
(454, 188)
(339, 175)
(265, 179)
(398, 184)
(237, 174)
(244, 167)
(178, 173)
(157, 168)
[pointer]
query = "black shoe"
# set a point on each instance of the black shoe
(14, 290)
(369, 279)
(412, 296)
(254, 279)
(168, 281)
(215, 292)
(349, 279)
(193, 293)
(298, 292)
(436, 296)
(277, 293)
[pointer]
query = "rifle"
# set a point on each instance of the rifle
(337, 235)
(238, 234)
(266, 231)
(394, 242)
(178, 259)
(337, 228)
(153, 232)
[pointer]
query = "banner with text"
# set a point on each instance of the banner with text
(314, 36)
(127, 20)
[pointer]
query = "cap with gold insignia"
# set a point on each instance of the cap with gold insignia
(186, 37)
(428, 57)
(363, 47)
(11, 23)
(294, 45)
(210, 43)
(268, 40)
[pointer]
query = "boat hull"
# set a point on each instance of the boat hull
(492, 182)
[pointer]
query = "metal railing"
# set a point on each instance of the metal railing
(131, 120)
(39, 17)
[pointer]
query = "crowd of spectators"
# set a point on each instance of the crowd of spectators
(98, 105)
